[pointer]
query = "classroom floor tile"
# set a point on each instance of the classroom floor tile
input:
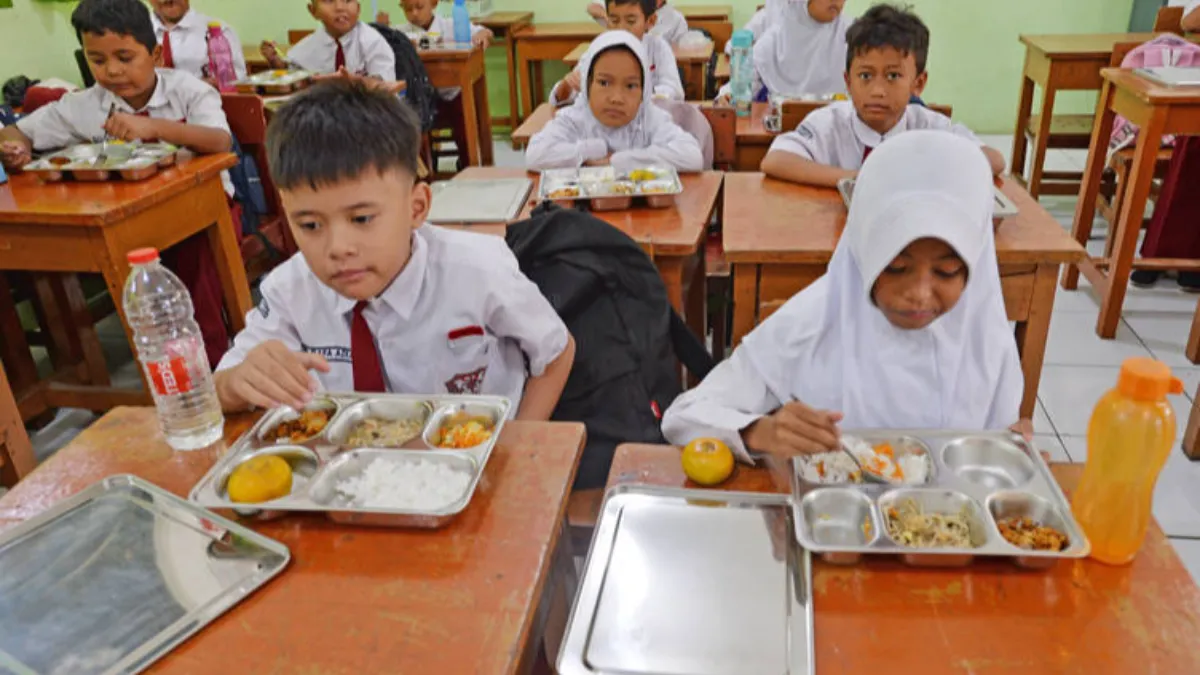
(1073, 341)
(1189, 552)
(1071, 392)
(1165, 335)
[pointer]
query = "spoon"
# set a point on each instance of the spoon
(868, 476)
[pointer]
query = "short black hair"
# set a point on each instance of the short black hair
(338, 129)
(888, 26)
(120, 17)
(614, 48)
(649, 7)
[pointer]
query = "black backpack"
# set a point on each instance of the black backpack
(419, 91)
(628, 339)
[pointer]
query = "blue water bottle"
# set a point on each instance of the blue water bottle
(462, 22)
(741, 78)
(3, 176)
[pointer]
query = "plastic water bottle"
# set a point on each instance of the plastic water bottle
(171, 350)
(462, 22)
(741, 75)
(3, 176)
(220, 58)
(1130, 437)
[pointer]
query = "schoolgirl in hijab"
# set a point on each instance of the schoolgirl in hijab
(906, 330)
(613, 120)
(803, 49)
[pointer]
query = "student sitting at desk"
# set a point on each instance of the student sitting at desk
(801, 51)
(1191, 14)
(341, 44)
(132, 101)
(906, 330)
(423, 21)
(183, 35)
(378, 301)
(885, 68)
(637, 17)
(670, 25)
(757, 25)
(614, 120)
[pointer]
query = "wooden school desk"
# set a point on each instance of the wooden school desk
(543, 42)
(705, 12)
(503, 25)
(991, 617)
(1058, 63)
(780, 236)
(469, 597)
(672, 237)
(255, 62)
(74, 227)
(1157, 110)
(532, 124)
(723, 72)
(693, 61)
(464, 68)
(753, 139)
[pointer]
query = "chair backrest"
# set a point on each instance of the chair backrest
(947, 110)
(794, 112)
(720, 32)
(722, 120)
(691, 120)
(1169, 20)
(1120, 51)
(297, 35)
(247, 119)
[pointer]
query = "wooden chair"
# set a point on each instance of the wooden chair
(583, 510)
(1169, 20)
(297, 35)
(723, 121)
(248, 122)
(16, 452)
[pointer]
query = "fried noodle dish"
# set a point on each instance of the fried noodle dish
(909, 525)
(308, 424)
(1026, 534)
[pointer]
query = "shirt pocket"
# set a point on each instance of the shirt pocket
(468, 354)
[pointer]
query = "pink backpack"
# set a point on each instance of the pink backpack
(1165, 50)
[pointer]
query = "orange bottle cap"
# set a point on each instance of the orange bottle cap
(1147, 380)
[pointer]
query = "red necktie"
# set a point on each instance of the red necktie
(339, 59)
(364, 354)
(167, 57)
(867, 152)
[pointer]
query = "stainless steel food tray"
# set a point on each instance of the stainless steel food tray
(111, 579)
(691, 581)
(1002, 206)
(274, 82)
(987, 476)
(109, 160)
(607, 189)
(321, 462)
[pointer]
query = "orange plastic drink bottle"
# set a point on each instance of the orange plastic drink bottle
(1129, 439)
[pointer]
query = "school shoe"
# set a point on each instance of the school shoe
(1190, 281)
(1146, 278)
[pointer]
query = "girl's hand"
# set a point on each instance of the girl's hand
(794, 429)
(15, 154)
(483, 39)
(1025, 428)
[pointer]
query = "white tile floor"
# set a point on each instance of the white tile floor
(1079, 368)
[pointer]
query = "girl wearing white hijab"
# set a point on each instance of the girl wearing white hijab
(803, 50)
(613, 120)
(906, 330)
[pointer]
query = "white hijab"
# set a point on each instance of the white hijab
(961, 371)
(638, 133)
(800, 55)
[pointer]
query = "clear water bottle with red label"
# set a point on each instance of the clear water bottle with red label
(171, 350)
(220, 58)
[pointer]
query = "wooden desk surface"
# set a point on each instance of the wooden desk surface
(674, 231)
(991, 617)
(26, 199)
(446, 53)
(771, 221)
(504, 20)
(750, 129)
(705, 12)
(534, 123)
(1081, 45)
(1150, 91)
(687, 55)
(582, 30)
(358, 600)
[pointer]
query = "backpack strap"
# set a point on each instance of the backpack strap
(689, 348)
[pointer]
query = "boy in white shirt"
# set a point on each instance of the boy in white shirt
(638, 17)
(671, 25)
(341, 44)
(379, 301)
(887, 50)
(423, 19)
(132, 100)
(183, 35)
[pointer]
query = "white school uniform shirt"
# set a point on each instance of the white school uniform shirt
(835, 136)
(664, 72)
(575, 136)
(671, 25)
(459, 318)
(1187, 5)
(830, 348)
(189, 43)
(79, 117)
(367, 53)
(445, 28)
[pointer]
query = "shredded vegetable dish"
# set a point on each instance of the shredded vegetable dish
(379, 432)
(909, 525)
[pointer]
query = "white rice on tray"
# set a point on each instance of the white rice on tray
(836, 467)
(403, 484)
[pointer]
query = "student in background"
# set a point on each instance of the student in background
(613, 120)
(133, 101)
(885, 68)
(670, 23)
(341, 44)
(637, 17)
(1191, 14)
(422, 19)
(183, 35)
(378, 300)
(906, 330)
(757, 25)
(801, 51)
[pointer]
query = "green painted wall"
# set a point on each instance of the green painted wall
(975, 61)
